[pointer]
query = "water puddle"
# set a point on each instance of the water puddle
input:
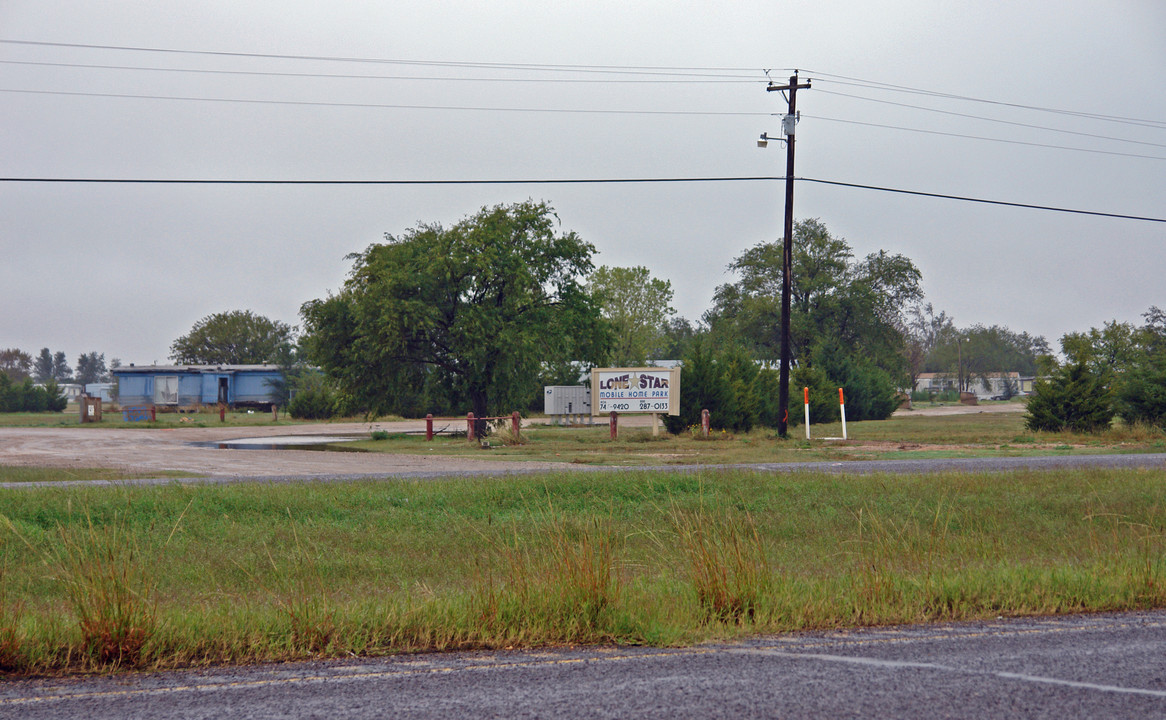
(324, 443)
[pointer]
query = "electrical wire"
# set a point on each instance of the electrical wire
(341, 76)
(661, 74)
(963, 198)
(528, 181)
(390, 106)
(576, 181)
(988, 119)
(617, 69)
(876, 85)
(986, 139)
(582, 111)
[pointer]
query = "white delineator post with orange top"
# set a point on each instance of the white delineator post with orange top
(842, 407)
(806, 395)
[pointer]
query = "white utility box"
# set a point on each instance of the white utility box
(567, 401)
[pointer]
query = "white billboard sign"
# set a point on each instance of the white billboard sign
(635, 390)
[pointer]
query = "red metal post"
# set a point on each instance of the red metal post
(470, 426)
(515, 423)
(153, 416)
(429, 426)
(613, 422)
(222, 413)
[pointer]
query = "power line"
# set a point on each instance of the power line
(982, 200)
(528, 181)
(349, 76)
(570, 181)
(618, 69)
(986, 139)
(388, 106)
(876, 85)
(582, 68)
(995, 120)
(582, 111)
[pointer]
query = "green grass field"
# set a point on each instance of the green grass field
(919, 436)
(153, 577)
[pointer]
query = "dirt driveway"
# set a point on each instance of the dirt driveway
(180, 449)
(923, 409)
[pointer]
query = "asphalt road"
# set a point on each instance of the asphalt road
(1096, 666)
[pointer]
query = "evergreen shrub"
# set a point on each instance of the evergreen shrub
(1074, 398)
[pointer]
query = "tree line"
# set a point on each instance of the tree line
(1118, 370)
(34, 385)
(482, 314)
(18, 366)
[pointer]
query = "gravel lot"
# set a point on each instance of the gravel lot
(150, 450)
(141, 450)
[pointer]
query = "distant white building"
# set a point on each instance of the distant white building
(102, 390)
(986, 387)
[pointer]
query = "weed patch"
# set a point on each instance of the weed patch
(165, 576)
(11, 657)
(110, 591)
(562, 585)
(726, 563)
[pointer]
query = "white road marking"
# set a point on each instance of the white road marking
(895, 664)
(406, 668)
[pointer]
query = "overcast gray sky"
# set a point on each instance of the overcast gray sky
(655, 90)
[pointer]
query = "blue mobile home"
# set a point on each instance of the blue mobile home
(193, 385)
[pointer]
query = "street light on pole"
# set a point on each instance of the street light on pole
(959, 346)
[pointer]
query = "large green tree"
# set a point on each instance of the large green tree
(859, 304)
(15, 363)
(1131, 360)
(637, 306)
(91, 368)
(840, 308)
(42, 368)
(51, 366)
(679, 335)
(238, 337)
(474, 312)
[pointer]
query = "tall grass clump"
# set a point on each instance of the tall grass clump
(296, 586)
(563, 585)
(726, 563)
(109, 589)
(11, 657)
(901, 564)
(1137, 549)
(306, 600)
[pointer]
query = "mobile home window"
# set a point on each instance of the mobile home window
(166, 390)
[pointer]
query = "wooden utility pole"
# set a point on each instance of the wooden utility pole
(789, 123)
